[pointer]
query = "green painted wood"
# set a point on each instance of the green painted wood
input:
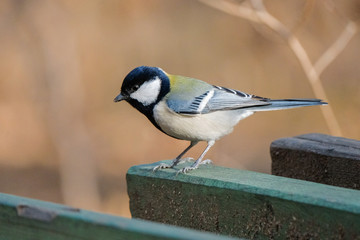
(244, 203)
(318, 158)
(23, 218)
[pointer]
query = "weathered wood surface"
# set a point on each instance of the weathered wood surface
(318, 158)
(244, 203)
(28, 219)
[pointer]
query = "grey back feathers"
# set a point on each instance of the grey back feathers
(220, 99)
(214, 99)
(278, 104)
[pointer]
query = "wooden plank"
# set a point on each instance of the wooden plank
(244, 203)
(318, 158)
(23, 218)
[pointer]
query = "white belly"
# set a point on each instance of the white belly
(199, 127)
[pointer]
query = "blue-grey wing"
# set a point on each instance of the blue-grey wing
(215, 99)
(192, 105)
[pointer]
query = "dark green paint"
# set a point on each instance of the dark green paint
(244, 203)
(25, 219)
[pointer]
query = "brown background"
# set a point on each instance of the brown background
(62, 62)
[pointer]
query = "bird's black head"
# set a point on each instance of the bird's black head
(143, 87)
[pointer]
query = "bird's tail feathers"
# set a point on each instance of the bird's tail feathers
(278, 104)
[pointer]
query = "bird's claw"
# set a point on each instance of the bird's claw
(161, 166)
(185, 169)
(207, 161)
(165, 165)
(188, 169)
(187, 159)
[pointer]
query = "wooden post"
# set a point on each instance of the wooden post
(244, 203)
(318, 158)
(28, 219)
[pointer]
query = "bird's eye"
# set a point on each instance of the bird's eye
(134, 88)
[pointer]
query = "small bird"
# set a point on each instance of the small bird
(190, 109)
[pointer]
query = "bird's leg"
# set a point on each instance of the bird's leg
(177, 160)
(198, 161)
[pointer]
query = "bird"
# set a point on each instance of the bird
(193, 110)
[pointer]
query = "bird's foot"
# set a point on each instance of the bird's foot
(187, 159)
(207, 161)
(162, 166)
(188, 169)
(174, 163)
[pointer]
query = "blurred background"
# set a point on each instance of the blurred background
(63, 139)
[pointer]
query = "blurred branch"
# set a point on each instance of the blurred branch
(334, 50)
(232, 8)
(259, 14)
(304, 60)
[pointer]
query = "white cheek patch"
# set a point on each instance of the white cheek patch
(148, 92)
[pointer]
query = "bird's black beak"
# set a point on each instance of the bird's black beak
(119, 98)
